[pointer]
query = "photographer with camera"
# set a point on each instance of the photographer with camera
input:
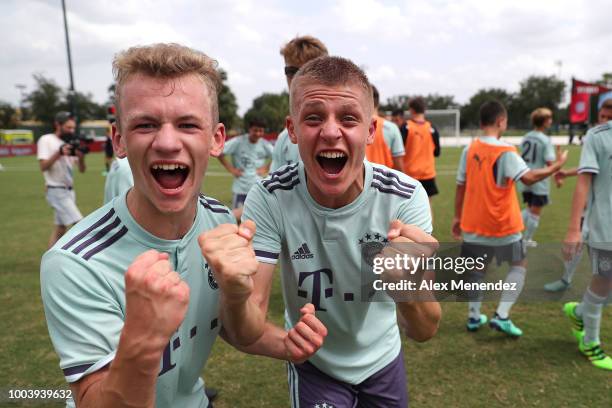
(57, 154)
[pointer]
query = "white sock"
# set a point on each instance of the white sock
(516, 275)
(475, 296)
(531, 226)
(591, 315)
(525, 214)
(570, 267)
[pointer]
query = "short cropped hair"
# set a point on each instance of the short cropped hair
(375, 97)
(330, 71)
(167, 61)
(417, 104)
(300, 50)
(490, 111)
(256, 122)
(397, 112)
(539, 116)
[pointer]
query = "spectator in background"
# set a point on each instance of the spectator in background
(56, 159)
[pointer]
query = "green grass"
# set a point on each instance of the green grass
(455, 369)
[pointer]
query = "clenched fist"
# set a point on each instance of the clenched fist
(227, 249)
(306, 337)
(156, 297)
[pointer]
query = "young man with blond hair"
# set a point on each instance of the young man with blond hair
(133, 304)
(537, 151)
(295, 53)
(488, 215)
(316, 217)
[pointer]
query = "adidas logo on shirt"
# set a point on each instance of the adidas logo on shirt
(302, 253)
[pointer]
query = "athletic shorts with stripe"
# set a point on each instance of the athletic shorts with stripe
(309, 387)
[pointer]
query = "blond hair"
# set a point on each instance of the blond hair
(330, 71)
(167, 61)
(300, 50)
(539, 116)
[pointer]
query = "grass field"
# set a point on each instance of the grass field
(455, 369)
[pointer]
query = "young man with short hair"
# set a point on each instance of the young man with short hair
(316, 216)
(56, 159)
(537, 151)
(296, 53)
(133, 304)
(250, 160)
(422, 146)
(595, 185)
(387, 148)
(488, 215)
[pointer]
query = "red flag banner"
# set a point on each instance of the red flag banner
(580, 102)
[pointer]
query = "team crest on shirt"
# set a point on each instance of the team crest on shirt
(323, 405)
(211, 278)
(371, 245)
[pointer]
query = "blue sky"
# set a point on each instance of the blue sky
(446, 47)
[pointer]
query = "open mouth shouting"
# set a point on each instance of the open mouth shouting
(169, 175)
(332, 161)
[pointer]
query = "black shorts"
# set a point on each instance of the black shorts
(511, 253)
(430, 186)
(108, 149)
(535, 200)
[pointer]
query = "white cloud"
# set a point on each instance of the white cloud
(409, 46)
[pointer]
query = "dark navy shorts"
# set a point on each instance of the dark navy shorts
(309, 387)
(511, 253)
(535, 200)
(430, 186)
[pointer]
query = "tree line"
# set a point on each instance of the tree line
(535, 91)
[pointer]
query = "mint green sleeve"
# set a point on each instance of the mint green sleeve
(261, 207)
(393, 138)
(588, 157)
(461, 170)
(550, 155)
(416, 210)
(83, 315)
(231, 145)
(277, 151)
(269, 149)
(512, 166)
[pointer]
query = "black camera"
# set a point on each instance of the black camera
(76, 143)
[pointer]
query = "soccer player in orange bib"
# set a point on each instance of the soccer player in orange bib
(488, 215)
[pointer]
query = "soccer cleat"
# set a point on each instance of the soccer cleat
(474, 324)
(557, 286)
(577, 324)
(595, 354)
(505, 326)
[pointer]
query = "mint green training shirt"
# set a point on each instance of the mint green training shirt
(83, 291)
(320, 254)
